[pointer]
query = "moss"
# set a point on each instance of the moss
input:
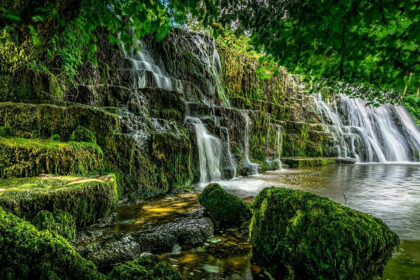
(86, 199)
(5, 131)
(60, 222)
(316, 238)
(26, 253)
(21, 157)
(83, 134)
(147, 267)
(55, 137)
(299, 162)
(226, 209)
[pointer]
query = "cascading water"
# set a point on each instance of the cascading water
(147, 73)
(370, 134)
(279, 147)
(209, 152)
(252, 168)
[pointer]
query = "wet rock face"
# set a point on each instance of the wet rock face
(189, 229)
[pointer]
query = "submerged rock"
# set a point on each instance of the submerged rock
(147, 267)
(226, 209)
(189, 229)
(311, 237)
(346, 160)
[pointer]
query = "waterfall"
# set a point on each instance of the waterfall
(146, 71)
(209, 152)
(369, 134)
(209, 56)
(252, 168)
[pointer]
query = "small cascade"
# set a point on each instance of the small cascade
(252, 168)
(367, 133)
(209, 56)
(147, 73)
(209, 152)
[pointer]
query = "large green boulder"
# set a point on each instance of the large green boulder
(226, 209)
(26, 253)
(59, 221)
(306, 236)
(87, 199)
(147, 267)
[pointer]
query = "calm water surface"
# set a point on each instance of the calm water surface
(390, 192)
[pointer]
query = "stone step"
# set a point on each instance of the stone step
(86, 198)
(302, 162)
(20, 157)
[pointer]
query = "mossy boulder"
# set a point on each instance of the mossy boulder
(21, 157)
(26, 253)
(86, 198)
(60, 222)
(226, 209)
(147, 267)
(306, 236)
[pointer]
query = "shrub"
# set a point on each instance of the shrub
(5, 131)
(315, 238)
(55, 137)
(83, 134)
(147, 267)
(26, 253)
(60, 222)
(226, 209)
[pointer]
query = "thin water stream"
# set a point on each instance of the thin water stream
(388, 191)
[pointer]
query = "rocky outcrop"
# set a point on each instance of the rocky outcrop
(190, 229)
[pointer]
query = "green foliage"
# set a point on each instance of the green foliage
(147, 267)
(60, 222)
(86, 199)
(226, 209)
(83, 134)
(56, 137)
(315, 238)
(26, 253)
(412, 103)
(5, 131)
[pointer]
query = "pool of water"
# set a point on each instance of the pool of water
(389, 191)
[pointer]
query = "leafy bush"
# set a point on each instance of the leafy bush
(5, 131)
(147, 267)
(312, 237)
(60, 222)
(26, 253)
(55, 137)
(83, 134)
(226, 209)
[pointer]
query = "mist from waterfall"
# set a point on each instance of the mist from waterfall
(370, 134)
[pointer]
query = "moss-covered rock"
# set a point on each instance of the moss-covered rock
(226, 209)
(86, 199)
(60, 222)
(147, 267)
(302, 162)
(315, 238)
(83, 134)
(21, 157)
(26, 253)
